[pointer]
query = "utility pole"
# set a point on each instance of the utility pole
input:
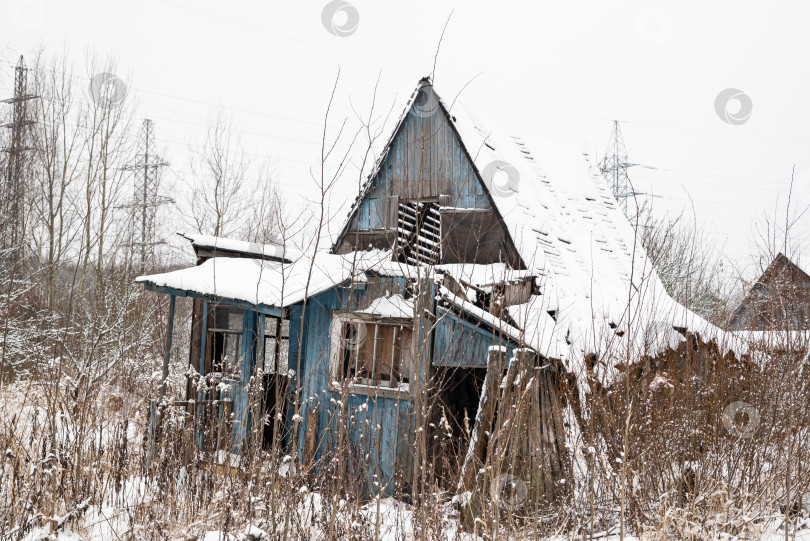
(146, 201)
(12, 189)
(614, 167)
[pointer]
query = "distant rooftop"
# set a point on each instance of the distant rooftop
(210, 246)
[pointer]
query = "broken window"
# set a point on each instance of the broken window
(375, 354)
(225, 339)
(418, 233)
(276, 345)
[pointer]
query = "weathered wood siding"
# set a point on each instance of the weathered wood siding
(779, 300)
(252, 327)
(425, 160)
(388, 443)
(459, 343)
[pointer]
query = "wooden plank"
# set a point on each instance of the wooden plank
(194, 349)
(310, 445)
(393, 211)
(169, 331)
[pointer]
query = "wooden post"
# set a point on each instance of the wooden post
(156, 406)
(164, 385)
(199, 411)
(311, 439)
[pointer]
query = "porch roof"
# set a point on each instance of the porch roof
(273, 284)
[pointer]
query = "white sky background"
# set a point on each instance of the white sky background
(555, 70)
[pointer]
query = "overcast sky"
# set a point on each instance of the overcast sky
(554, 70)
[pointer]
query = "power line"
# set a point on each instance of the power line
(192, 100)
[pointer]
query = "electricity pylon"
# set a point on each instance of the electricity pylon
(146, 201)
(614, 167)
(12, 187)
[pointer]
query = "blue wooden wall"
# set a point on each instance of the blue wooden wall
(384, 451)
(459, 343)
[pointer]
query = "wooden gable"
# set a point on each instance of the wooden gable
(779, 299)
(426, 163)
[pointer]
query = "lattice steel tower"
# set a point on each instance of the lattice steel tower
(12, 187)
(146, 201)
(614, 167)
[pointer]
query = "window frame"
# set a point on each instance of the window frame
(279, 345)
(227, 367)
(363, 386)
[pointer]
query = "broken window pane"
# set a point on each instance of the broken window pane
(373, 354)
(225, 338)
(275, 351)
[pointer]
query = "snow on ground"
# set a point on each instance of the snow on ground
(385, 520)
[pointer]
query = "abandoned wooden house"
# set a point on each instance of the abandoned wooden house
(469, 254)
(778, 300)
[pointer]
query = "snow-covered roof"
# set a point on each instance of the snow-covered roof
(222, 244)
(275, 283)
(569, 230)
(795, 337)
(393, 307)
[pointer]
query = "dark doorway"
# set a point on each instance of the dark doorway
(274, 403)
(275, 380)
(458, 391)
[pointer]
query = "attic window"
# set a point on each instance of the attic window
(418, 233)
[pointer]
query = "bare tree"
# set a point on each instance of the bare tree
(689, 265)
(219, 169)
